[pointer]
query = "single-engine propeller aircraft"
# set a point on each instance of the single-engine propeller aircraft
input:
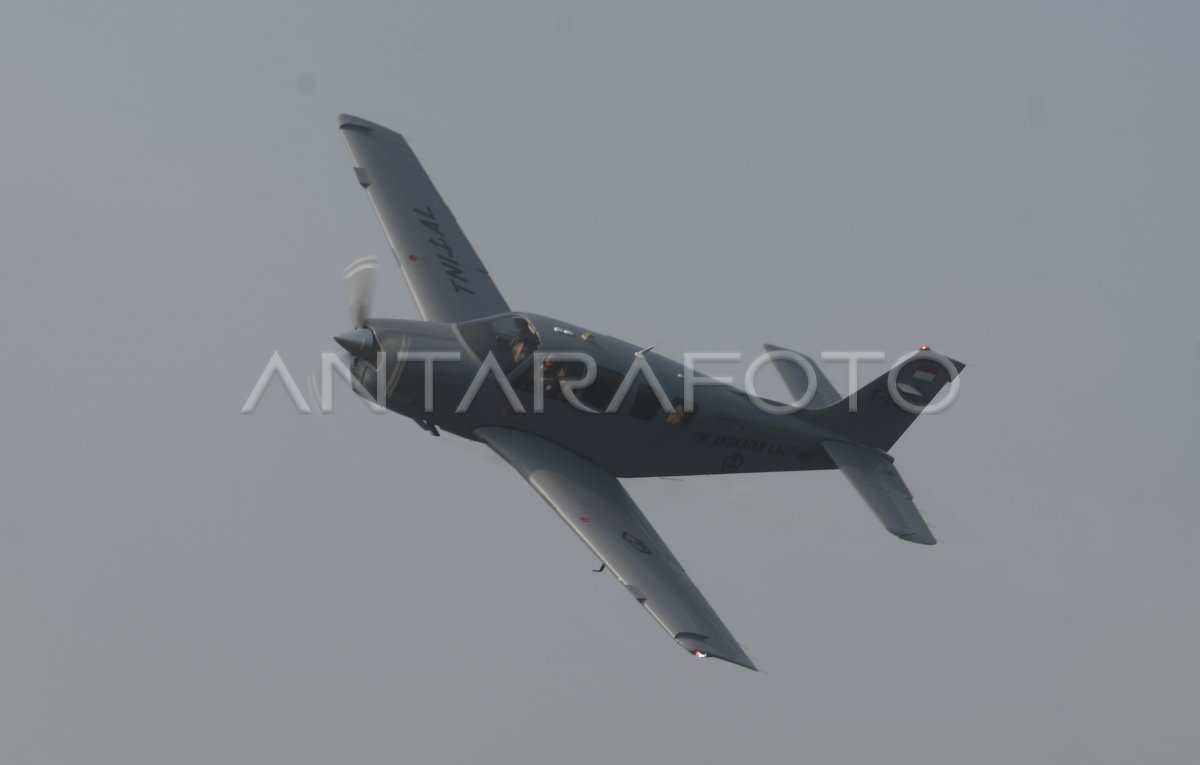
(588, 433)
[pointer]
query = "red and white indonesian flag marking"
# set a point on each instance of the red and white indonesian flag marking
(926, 372)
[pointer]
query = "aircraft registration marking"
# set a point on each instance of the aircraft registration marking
(445, 254)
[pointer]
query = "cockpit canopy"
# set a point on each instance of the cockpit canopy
(511, 338)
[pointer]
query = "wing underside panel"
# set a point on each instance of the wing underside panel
(599, 510)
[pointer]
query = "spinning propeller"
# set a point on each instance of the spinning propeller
(359, 277)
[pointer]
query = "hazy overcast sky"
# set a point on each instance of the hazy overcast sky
(1016, 186)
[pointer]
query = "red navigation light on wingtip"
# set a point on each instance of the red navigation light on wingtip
(700, 654)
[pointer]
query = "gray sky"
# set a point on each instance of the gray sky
(1015, 186)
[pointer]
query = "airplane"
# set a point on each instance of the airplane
(573, 456)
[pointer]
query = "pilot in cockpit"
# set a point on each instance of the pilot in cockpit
(526, 341)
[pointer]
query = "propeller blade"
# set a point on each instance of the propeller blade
(359, 277)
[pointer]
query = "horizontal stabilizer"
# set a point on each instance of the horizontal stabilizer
(796, 379)
(875, 478)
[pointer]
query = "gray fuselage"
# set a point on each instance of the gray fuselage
(724, 433)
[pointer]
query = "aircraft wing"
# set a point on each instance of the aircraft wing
(873, 475)
(446, 277)
(602, 514)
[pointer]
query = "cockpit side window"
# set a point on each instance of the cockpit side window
(555, 373)
(599, 394)
(645, 403)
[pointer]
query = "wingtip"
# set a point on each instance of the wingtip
(741, 660)
(919, 538)
(352, 122)
(698, 645)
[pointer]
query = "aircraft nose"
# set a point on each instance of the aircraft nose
(359, 343)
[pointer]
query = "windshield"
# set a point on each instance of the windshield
(511, 339)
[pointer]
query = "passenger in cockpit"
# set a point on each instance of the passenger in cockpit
(549, 377)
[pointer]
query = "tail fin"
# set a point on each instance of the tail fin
(873, 416)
